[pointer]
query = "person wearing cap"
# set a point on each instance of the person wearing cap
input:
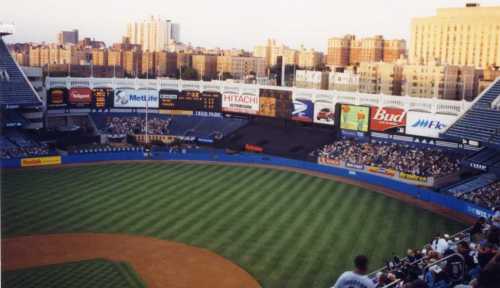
(356, 278)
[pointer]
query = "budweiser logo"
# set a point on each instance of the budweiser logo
(384, 115)
(77, 95)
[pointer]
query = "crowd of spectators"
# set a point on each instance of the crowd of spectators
(469, 259)
(400, 157)
(122, 126)
(22, 152)
(487, 196)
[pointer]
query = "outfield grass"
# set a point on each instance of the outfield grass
(286, 229)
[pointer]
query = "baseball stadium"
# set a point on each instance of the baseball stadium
(116, 182)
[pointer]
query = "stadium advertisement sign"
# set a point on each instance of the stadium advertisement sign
(303, 109)
(324, 111)
(275, 103)
(329, 162)
(80, 97)
(168, 98)
(56, 97)
(427, 124)
(131, 98)
(354, 165)
(101, 97)
(384, 119)
(380, 170)
(40, 161)
(244, 103)
(412, 177)
(354, 117)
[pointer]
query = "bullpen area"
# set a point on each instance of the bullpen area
(284, 228)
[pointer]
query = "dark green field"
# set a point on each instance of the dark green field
(286, 229)
(90, 273)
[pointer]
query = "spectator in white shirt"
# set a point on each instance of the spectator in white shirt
(356, 278)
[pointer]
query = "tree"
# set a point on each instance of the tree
(188, 73)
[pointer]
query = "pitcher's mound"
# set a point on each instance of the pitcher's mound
(159, 263)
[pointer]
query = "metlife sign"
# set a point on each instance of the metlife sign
(427, 124)
(131, 98)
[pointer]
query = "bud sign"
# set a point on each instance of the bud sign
(384, 119)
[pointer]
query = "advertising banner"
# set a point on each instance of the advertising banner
(56, 97)
(354, 117)
(329, 162)
(275, 103)
(80, 97)
(176, 112)
(40, 161)
(324, 111)
(208, 114)
(253, 148)
(380, 170)
(303, 110)
(102, 97)
(387, 119)
(168, 98)
(427, 124)
(407, 176)
(131, 98)
(354, 165)
(244, 103)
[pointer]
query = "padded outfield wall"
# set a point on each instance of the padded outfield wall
(420, 193)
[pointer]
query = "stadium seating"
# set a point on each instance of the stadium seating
(472, 184)
(279, 138)
(198, 127)
(15, 89)
(481, 122)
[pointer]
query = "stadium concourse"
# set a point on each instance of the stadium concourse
(434, 150)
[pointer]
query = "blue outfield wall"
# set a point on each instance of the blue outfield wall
(443, 200)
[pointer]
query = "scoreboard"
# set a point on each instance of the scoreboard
(191, 100)
(101, 97)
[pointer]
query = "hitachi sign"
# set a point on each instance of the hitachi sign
(383, 115)
(247, 99)
(429, 124)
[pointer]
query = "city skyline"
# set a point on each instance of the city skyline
(207, 25)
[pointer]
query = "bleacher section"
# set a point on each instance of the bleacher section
(15, 88)
(481, 122)
(280, 138)
(473, 184)
(195, 126)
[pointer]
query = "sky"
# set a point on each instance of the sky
(223, 23)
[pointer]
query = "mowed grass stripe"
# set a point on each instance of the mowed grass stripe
(180, 208)
(199, 226)
(39, 210)
(150, 212)
(136, 197)
(287, 229)
(222, 223)
(68, 199)
(93, 205)
(203, 206)
(239, 237)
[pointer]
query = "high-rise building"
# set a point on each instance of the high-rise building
(166, 64)
(457, 36)
(132, 62)
(338, 54)
(433, 80)
(153, 34)
(272, 50)
(205, 65)
(380, 78)
(309, 58)
(394, 50)
(367, 50)
(68, 37)
(100, 57)
(239, 67)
